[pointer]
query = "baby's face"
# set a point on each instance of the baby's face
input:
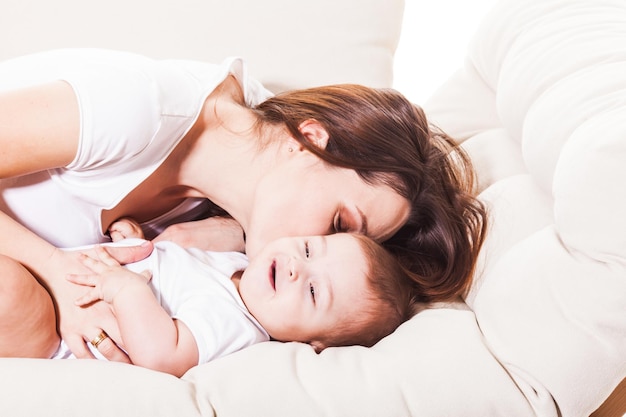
(299, 288)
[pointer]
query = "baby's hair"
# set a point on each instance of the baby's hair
(391, 301)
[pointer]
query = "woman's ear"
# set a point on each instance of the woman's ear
(314, 132)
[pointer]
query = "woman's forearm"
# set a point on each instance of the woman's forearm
(25, 247)
(39, 130)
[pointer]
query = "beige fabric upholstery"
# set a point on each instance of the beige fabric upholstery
(288, 44)
(540, 105)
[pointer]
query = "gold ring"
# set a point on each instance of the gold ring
(95, 342)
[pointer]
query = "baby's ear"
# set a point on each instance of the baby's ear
(314, 132)
(318, 346)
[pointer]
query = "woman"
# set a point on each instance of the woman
(90, 136)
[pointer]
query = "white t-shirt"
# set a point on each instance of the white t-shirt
(195, 287)
(133, 111)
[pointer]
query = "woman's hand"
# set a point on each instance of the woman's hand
(220, 234)
(78, 325)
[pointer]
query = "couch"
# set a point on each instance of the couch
(540, 105)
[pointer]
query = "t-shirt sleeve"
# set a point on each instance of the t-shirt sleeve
(119, 108)
(219, 326)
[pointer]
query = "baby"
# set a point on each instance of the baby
(181, 307)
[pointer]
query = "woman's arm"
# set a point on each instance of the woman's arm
(39, 129)
(222, 234)
(150, 336)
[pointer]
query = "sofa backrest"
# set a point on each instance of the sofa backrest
(288, 44)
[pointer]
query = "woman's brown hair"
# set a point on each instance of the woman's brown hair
(388, 140)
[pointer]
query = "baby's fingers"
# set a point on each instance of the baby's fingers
(100, 263)
(93, 294)
(88, 298)
(147, 274)
(82, 279)
(116, 235)
(105, 257)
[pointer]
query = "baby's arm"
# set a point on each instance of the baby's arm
(125, 228)
(150, 336)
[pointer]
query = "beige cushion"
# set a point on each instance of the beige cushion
(67, 388)
(541, 104)
(289, 44)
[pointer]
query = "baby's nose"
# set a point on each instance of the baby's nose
(293, 274)
(295, 270)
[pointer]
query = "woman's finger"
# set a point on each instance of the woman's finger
(110, 350)
(128, 254)
(78, 347)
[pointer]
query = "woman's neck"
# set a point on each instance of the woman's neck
(221, 159)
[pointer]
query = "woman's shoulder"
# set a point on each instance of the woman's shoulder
(63, 64)
(209, 77)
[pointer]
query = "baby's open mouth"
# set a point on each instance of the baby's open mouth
(273, 275)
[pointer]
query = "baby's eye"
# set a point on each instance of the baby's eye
(306, 250)
(312, 290)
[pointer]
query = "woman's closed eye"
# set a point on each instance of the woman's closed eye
(339, 225)
(350, 221)
(307, 252)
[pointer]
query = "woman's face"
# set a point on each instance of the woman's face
(305, 196)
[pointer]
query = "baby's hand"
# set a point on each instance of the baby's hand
(108, 278)
(125, 228)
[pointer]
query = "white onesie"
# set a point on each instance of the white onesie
(133, 112)
(195, 287)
